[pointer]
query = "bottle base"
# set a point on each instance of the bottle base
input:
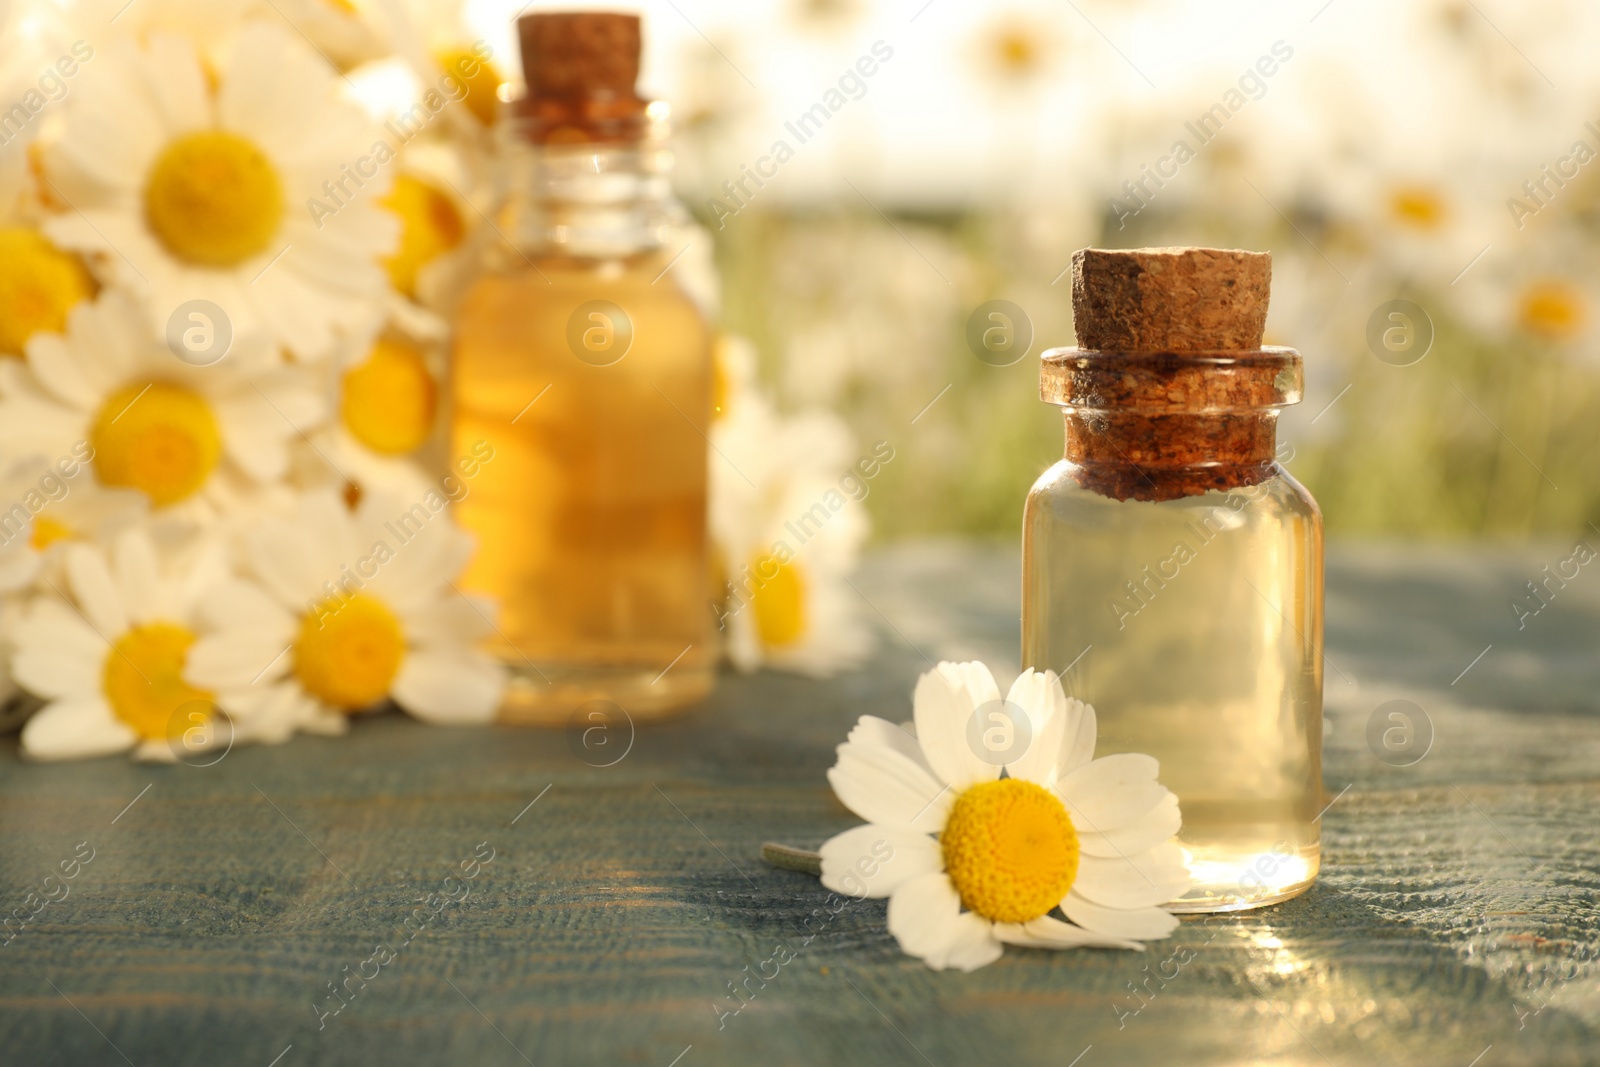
(1229, 880)
(565, 695)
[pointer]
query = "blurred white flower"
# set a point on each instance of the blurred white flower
(386, 411)
(153, 422)
(108, 652)
(259, 196)
(46, 506)
(347, 609)
(788, 524)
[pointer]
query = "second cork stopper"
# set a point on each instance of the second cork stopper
(1170, 299)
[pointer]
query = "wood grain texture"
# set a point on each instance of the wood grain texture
(1455, 923)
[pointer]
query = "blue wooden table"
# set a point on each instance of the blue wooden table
(503, 897)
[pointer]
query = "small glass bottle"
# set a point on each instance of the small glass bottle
(586, 368)
(1172, 569)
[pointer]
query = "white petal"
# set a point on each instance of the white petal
(59, 657)
(1041, 696)
(943, 707)
(883, 786)
(1112, 791)
(285, 559)
(1049, 932)
(449, 690)
(76, 729)
(1078, 739)
(1161, 823)
(874, 861)
(1139, 880)
(925, 917)
(451, 620)
(155, 751)
(139, 584)
(245, 605)
(975, 945)
(95, 591)
(237, 658)
(1146, 924)
(871, 730)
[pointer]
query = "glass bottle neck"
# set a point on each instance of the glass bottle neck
(1162, 457)
(590, 200)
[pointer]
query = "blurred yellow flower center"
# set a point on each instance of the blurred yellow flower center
(1553, 310)
(39, 284)
(779, 601)
(47, 531)
(143, 681)
(345, 6)
(349, 651)
(1016, 50)
(213, 199)
(389, 399)
(159, 438)
(430, 226)
(1418, 207)
(1010, 850)
(482, 81)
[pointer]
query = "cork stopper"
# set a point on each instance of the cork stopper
(1170, 393)
(1170, 299)
(580, 68)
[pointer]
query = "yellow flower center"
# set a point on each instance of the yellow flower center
(346, 6)
(480, 78)
(1552, 310)
(39, 284)
(47, 531)
(161, 439)
(430, 226)
(389, 399)
(1418, 207)
(213, 199)
(349, 651)
(143, 680)
(778, 600)
(1010, 849)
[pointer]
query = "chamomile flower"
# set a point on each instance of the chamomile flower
(108, 653)
(349, 609)
(386, 410)
(787, 520)
(153, 422)
(44, 507)
(972, 860)
(39, 281)
(442, 50)
(243, 196)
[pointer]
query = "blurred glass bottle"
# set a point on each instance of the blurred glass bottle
(1172, 569)
(585, 365)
